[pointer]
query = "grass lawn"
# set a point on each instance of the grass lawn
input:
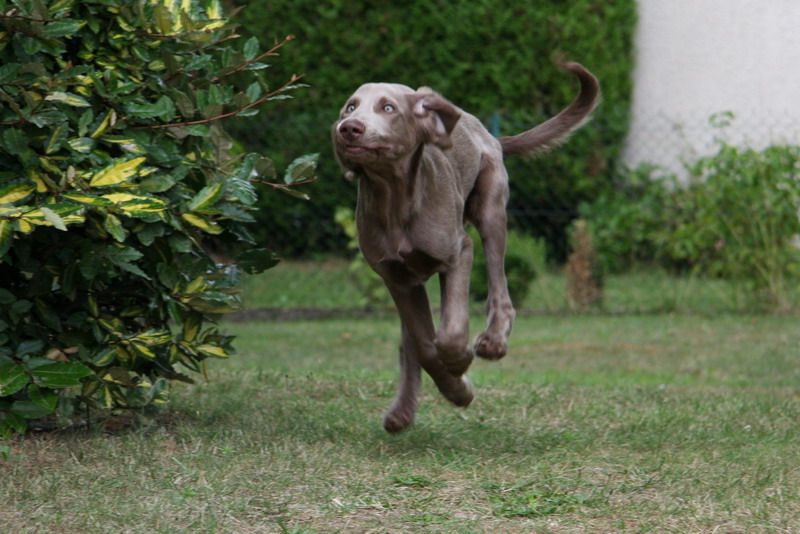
(327, 284)
(592, 424)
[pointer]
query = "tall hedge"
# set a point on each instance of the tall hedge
(114, 171)
(494, 58)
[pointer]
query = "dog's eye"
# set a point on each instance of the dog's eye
(388, 108)
(350, 108)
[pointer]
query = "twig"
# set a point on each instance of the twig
(261, 100)
(13, 15)
(270, 52)
(283, 186)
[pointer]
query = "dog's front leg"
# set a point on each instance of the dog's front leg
(452, 339)
(401, 414)
(415, 313)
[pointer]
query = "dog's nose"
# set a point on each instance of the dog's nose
(352, 129)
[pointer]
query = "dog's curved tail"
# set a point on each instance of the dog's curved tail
(556, 130)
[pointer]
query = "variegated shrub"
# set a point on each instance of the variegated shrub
(114, 167)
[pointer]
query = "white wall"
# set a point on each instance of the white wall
(699, 57)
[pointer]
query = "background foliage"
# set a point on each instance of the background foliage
(114, 168)
(736, 217)
(493, 58)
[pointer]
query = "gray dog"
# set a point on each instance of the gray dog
(424, 167)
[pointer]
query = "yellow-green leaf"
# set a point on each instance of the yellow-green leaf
(196, 285)
(212, 350)
(191, 326)
(143, 350)
(110, 116)
(15, 192)
(85, 198)
(116, 173)
(213, 10)
(68, 99)
(206, 197)
(41, 186)
(203, 224)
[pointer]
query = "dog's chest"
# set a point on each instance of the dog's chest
(406, 258)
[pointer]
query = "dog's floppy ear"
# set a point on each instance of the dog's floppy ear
(435, 116)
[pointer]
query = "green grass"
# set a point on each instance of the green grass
(592, 424)
(327, 284)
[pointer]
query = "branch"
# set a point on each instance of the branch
(282, 186)
(270, 52)
(12, 15)
(261, 100)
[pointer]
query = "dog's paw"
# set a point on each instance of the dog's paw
(490, 346)
(395, 421)
(462, 394)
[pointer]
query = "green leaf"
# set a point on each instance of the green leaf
(6, 236)
(250, 48)
(31, 45)
(29, 410)
(257, 260)
(206, 197)
(158, 183)
(27, 348)
(8, 72)
(198, 130)
(114, 227)
(12, 377)
(68, 99)
(301, 169)
(60, 374)
(84, 121)
(123, 257)
(45, 398)
(6, 296)
(163, 108)
(56, 139)
(15, 141)
(254, 91)
(116, 173)
(62, 28)
(11, 422)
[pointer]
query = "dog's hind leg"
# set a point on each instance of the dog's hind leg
(487, 211)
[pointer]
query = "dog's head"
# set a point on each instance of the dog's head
(384, 123)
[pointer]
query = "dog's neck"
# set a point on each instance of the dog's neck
(391, 191)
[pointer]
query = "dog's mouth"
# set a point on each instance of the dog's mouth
(361, 150)
(357, 149)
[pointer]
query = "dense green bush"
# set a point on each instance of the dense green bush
(736, 218)
(114, 169)
(492, 58)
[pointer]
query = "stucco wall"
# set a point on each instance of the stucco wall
(700, 57)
